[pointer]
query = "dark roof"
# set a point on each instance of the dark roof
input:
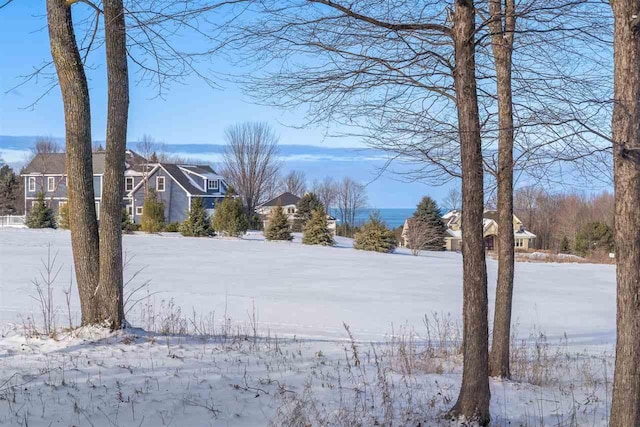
(179, 176)
(283, 200)
(200, 169)
(490, 214)
(56, 163)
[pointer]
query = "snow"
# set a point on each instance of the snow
(301, 296)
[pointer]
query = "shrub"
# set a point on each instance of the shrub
(375, 236)
(197, 224)
(63, 216)
(229, 218)
(305, 207)
(40, 216)
(565, 246)
(431, 223)
(316, 231)
(173, 227)
(594, 236)
(152, 213)
(127, 225)
(278, 227)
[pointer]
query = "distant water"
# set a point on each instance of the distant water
(393, 217)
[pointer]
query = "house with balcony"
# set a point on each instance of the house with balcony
(176, 185)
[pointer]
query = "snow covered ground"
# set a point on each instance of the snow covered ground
(297, 365)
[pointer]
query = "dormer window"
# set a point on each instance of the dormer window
(212, 184)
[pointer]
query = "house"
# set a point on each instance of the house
(289, 203)
(453, 239)
(175, 185)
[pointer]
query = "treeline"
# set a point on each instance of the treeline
(563, 220)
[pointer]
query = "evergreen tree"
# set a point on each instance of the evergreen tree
(197, 224)
(278, 227)
(305, 207)
(152, 213)
(428, 213)
(9, 190)
(40, 215)
(375, 236)
(594, 236)
(63, 216)
(565, 246)
(316, 231)
(229, 218)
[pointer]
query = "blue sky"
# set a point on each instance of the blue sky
(190, 113)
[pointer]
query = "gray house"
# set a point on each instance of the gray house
(175, 185)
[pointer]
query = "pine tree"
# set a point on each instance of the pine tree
(278, 227)
(63, 216)
(305, 207)
(40, 216)
(428, 213)
(197, 224)
(9, 190)
(316, 231)
(229, 218)
(565, 246)
(594, 236)
(375, 236)
(152, 213)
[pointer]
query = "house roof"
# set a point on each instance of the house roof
(283, 199)
(180, 177)
(56, 163)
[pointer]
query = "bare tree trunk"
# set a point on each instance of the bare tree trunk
(502, 27)
(110, 295)
(75, 96)
(473, 401)
(625, 407)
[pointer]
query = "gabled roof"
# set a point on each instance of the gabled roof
(184, 181)
(56, 163)
(283, 199)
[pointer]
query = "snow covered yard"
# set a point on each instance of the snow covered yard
(281, 353)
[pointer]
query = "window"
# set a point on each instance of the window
(160, 183)
(130, 210)
(519, 243)
(128, 183)
(138, 210)
(212, 184)
(51, 183)
(32, 183)
(98, 211)
(291, 210)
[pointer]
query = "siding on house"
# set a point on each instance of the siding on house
(175, 199)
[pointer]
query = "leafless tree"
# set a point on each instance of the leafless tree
(326, 190)
(625, 126)
(453, 201)
(294, 182)
(75, 96)
(351, 197)
(419, 235)
(250, 162)
(109, 295)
